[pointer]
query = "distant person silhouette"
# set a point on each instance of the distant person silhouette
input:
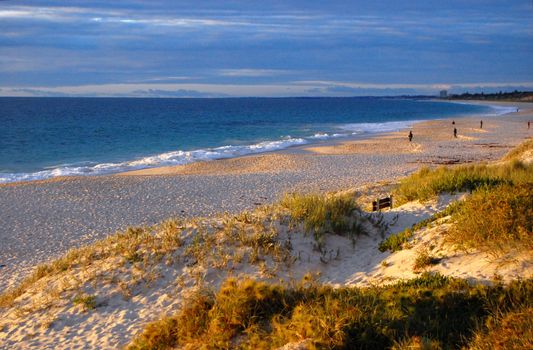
(454, 132)
(410, 136)
(453, 122)
(528, 125)
(481, 124)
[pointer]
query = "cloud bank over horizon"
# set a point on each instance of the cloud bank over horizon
(249, 48)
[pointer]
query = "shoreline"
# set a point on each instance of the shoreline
(329, 146)
(44, 219)
(309, 143)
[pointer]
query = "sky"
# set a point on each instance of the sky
(216, 48)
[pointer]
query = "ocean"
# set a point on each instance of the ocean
(42, 138)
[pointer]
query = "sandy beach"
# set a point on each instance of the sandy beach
(42, 220)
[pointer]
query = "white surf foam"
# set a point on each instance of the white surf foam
(501, 110)
(164, 159)
(373, 128)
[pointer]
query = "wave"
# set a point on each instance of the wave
(185, 157)
(493, 110)
(373, 128)
(501, 110)
(164, 159)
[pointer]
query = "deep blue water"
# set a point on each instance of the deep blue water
(46, 137)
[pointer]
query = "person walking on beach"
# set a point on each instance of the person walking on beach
(528, 125)
(455, 132)
(410, 135)
(481, 124)
(453, 122)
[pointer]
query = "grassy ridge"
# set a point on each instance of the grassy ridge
(498, 216)
(426, 184)
(433, 309)
(495, 219)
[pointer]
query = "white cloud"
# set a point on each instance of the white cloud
(249, 72)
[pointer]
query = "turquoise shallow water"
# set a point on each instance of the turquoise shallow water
(46, 137)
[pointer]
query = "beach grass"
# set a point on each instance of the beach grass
(519, 150)
(426, 183)
(221, 243)
(432, 309)
(322, 214)
(495, 219)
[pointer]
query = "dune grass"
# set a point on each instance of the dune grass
(495, 219)
(426, 184)
(322, 214)
(512, 330)
(221, 243)
(519, 150)
(432, 309)
(497, 216)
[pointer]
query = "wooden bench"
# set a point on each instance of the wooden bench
(382, 203)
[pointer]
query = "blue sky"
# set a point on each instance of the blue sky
(263, 48)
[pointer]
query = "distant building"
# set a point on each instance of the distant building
(443, 94)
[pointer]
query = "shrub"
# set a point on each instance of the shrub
(88, 302)
(424, 259)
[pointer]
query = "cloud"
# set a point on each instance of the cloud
(34, 92)
(173, 93)
(368, 45)
(247, 72)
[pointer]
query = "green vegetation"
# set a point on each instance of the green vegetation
(435, 310)
(495, 219)
(520, 96)
(325, 214)
(88, 302)
(424, 259)
(426, 184)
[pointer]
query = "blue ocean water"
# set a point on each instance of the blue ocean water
(46, 137)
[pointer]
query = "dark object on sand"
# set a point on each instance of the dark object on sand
(453, 122)
(528, 125)
(382, 203)
(481, 124)
(410, 135)
(454, 132)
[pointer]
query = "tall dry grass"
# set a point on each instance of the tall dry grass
(432, 309)
(426, 184)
